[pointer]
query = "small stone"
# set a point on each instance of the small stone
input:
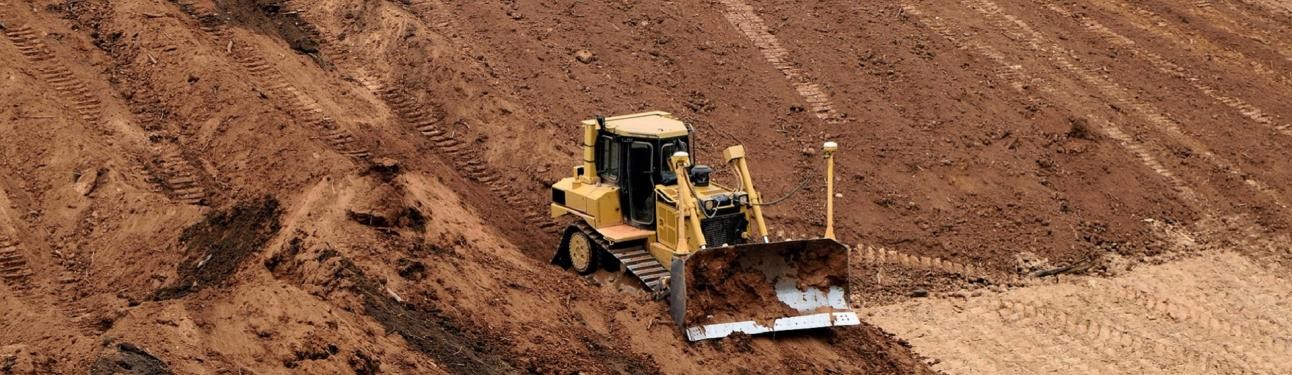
(585, 56)
(838, 195)
(919, 293)
(809, 151)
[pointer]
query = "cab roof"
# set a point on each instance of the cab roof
(645, 125)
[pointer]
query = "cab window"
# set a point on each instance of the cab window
(608, 158)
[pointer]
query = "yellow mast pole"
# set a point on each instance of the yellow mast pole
(829, 149)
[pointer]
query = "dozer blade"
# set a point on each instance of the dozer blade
(761, 288)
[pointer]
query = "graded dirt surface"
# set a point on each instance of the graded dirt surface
(255, 186)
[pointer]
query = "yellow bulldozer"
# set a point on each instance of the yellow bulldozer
(638, 203)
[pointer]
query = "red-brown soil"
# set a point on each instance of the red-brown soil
(255, 186)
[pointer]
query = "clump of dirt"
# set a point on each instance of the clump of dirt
(738, 283)
(1080, 129)
(220, 243)
(314, 349)
(271, 17)
(388, 206)
(129, 359)
(407, 218)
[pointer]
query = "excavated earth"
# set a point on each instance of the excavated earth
(337, 186)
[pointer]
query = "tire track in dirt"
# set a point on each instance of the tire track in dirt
(1276, 6)
(745, 19)
(1114, 306)
(1253, 300)
(1151, 22)
(179, 178)
(1227, 23)
(879, 255)
(1169, 307)
(1256, 12)
(18, 275)
(1154, 319)
(13, 266)
(1019, 79)
(1112, 335)
(300, 105)
(427, 120)
(1019, 30)
(1169, 68)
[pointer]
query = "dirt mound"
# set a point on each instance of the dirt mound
(140, 139)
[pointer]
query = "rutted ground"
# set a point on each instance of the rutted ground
(1217, 312)
(335, 186)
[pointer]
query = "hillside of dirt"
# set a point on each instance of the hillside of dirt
(338, 186)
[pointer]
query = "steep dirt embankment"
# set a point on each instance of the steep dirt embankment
(383, 244)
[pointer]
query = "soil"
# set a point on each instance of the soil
(732, 284)
(217, 246)
(129, 360)
(408, 148)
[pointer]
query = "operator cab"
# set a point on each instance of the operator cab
(632, 152)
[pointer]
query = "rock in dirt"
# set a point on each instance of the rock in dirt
(919, 293)
(585, 56)
(86, 182)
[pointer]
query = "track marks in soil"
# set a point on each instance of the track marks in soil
(1115, 93)
(1169, 68)
(745, 19)
(1192, 315)
(1153, 23)
(298, 104)
(180, 179)
(1020, 79)
(466, 158)
(49, 68)
(14, 268)
(427, 119)
(1224, 21)
(879, 255)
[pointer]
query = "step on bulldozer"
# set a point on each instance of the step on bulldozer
(639, 204)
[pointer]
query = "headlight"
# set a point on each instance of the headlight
(743, 199)
(711, 204)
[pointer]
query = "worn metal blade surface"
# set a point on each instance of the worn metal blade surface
(761, 288)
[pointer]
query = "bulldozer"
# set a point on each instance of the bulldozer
(639, 203)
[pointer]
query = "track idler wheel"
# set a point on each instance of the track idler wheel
(585, 254)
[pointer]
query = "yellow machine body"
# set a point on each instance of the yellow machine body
(639, 203)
